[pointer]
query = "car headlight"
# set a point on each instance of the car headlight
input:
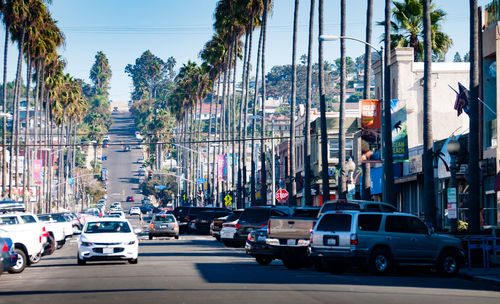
(86, 243)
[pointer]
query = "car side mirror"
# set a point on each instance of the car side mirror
(137, 231)
(78, 232)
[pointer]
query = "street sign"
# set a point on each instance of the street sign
(452, 203)
(201, 180)
(161, 187)
(281, 195)
(228, 200)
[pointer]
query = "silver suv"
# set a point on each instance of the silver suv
(381, 240)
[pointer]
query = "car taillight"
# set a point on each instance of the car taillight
(354, 239)
(312, 228)
(152, 225)
(311, 239)
(176, 226)
(249, 238)
(237, 226)
(5, 248)
(269, 227)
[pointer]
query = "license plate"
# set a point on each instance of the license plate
(261, 239)
(164, 226)
(290, 242)
(227, 235)
(107, 250)
(331, 242)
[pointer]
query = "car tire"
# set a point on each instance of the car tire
(51, 248)
(81, 261)
(21, 262)
(1, 268)
(60, 244)
(448, 263)
(380, 261)
(35, 258)
(263, 260)
(176, 237)
(150, 237)
(133, 261)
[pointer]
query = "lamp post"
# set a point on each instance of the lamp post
(453, 148)
(253, 164)
(387, 139)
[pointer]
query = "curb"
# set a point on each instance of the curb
(480, 278)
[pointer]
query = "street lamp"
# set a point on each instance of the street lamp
(387, 138)
(453, 148)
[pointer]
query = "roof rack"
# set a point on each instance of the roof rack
(11, 206)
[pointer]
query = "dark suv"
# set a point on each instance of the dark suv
(202, 223)
(185, 215)
(254, 218)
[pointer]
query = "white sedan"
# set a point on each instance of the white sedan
(107, 239)
(135, 211)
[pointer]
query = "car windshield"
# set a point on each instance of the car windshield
(233, 216)
(164, 218)
(306, 212)
(340, 206)
(108, 227)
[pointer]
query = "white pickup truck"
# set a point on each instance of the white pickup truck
(55, 230)
(27, 233)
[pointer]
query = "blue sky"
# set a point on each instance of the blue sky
(123, 29)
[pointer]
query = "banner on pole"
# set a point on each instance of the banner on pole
(371, 135)
(221, 167)
(399, 130)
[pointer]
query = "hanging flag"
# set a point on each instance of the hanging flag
(462, 101)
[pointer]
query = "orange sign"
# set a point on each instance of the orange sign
(371, 139)
(370, 114)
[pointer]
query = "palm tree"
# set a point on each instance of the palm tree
(429, 197)
(293, 186)
(263, 173)
(100, 73)
(342, 190)
(388, 191)
(307, 127)
(324, 131)
(366, 193)
(474, 173)
(408, 28)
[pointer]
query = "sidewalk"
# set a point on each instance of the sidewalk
(492, 276)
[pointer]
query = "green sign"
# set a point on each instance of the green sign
(452, 195)
(399, 130)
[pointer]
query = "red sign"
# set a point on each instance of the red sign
(281, 195)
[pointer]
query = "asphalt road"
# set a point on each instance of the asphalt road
(122, 166)
(198, 269)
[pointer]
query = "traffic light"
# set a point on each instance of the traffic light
(150, 174)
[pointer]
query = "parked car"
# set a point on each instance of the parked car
(227, 234)
(126, 148)
(118, 214)
(256, 247)
(204, 220)
(135, 211)
(254, 218)
(56, 238)
(185, 215)
(130, 198)
(108, 239)
(216, 225)
(137, 147)
(289, 236)
(8, 257)
(140, 160)
(28, 234)
(106, 137)
(163, 225)
(381, 241)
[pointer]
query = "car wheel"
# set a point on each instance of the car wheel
(133, 261)
(35, 258)
(81, 261)
(176, 237)
(448, 263)
(150, 237)
(20, 263)
(51, 247)
(60, 244)
(263, 260)
(380, 261)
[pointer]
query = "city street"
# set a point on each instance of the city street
(198, 269)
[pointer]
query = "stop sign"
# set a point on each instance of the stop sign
(281, 195)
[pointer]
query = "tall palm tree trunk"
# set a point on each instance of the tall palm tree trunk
(342, 187)
(389, 196)
(209, 139)
(254, 123)
(474, 173)
(26, 161)
(215, 178)
(429, 195)
(366, 193)
(293, 98)
(241, 142)
(322, 101)
(245, 111)
(307, 127)
(4, 109)
(263, 173)
(233, 123)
